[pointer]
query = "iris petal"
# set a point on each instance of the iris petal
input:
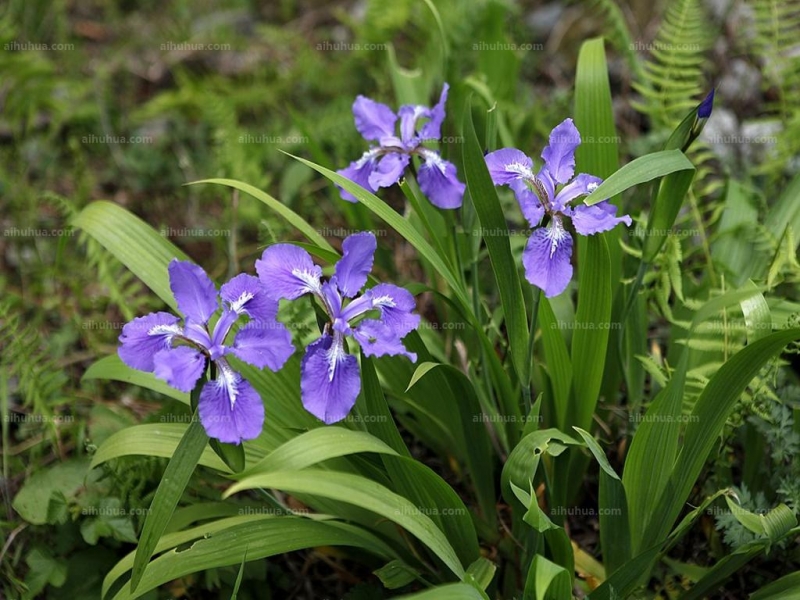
(329, 379)
(374, 120)
(358, 251)
(288, 272)
(143, 337)
(230, 408)
(547, 259)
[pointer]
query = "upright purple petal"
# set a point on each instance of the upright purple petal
(438, 181)
(230, 408)
(288, 272)
(559, 155)
(389, 170)
(143, 337)
(409, 115)
(193, 290)
(547, 258)
(247, 295)
(378, 339)
(432, 130)
(582, 185)
(353, 268)
(373, 119)
(359, 172)
(395, 305)
(329, 379)
(180, 367)
(597, 218)
(263, 344)
(508, 165)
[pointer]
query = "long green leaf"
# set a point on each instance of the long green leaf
(284, 211)
(707, 421)
(134, 243)
(365, 493)
(496, 238)
(176, 476)
(112, 367)
(641, 170)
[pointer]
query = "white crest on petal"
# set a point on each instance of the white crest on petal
(520, 169)
(229, 379)
(385, 300)
(367, 157)
(555, 233)
(311, 280)
(236, 305)
(335, 353)
(433, 160)
(168, 330)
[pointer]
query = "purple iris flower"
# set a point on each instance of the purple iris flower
(383, 165)
(230, 408)
(377, 319)
(547, 255)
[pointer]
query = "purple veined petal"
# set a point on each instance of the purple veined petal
(547, 183)
(389, 170)
(409, 115)
(356, 308)
(359, 172)
(329, 379)
(507, 165)
(180, 367)
(378, 339)
(528, 201)
(263, 344)
(374, 120)
(582, 185)
(395, 305)
(143, 337)
(247, 295)
(438, 181)
(559, 155)
(597, 218)
(197, 333)
(547, 258)
(331, 297)
(230, 408)
(288, 272)
(221, 329)
(432, 130)
(358, 251)
(193, 290)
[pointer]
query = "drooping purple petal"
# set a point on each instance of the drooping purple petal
(358, 251)
(144, 336)
(193, 290)
(373, 119)
(247, 295)
(230, 408)
(359, 172)
(507, 165)
(438, 181)
(389, 170)
(288, 272)
(597, 218)
(432, 130)
(395, 305)
(559, 155)
(263, 344)
(547, 258)
(378, 339)
(329, 379)
(582, 185)
(180, 367)
(529, 203)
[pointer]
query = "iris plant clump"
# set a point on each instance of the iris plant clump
(180, 352)
(548, 193)
(384, 165)
(377, 318)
